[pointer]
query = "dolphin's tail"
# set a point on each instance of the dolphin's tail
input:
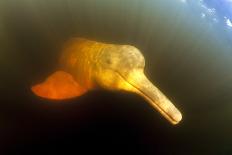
(60, 85)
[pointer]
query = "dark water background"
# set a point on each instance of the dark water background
(186, 57)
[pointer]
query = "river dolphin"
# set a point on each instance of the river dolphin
(87, 65)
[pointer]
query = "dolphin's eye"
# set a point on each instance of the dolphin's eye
(108, 61)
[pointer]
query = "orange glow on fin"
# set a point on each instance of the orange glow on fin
(58, 86)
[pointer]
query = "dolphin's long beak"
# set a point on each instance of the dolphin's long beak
(154, 96)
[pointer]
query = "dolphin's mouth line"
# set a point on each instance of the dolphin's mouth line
(157, 106)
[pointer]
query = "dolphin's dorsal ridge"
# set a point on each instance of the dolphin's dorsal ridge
(59, 85)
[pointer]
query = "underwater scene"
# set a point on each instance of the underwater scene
(116, 77)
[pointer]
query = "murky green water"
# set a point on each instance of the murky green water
(187, 58)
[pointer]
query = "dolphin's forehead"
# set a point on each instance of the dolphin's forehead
(131, 53)
(122, 58)
(131, 57)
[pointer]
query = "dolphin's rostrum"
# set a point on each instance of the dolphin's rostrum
(87, 65)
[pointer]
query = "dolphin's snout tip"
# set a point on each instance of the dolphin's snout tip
(170, 112)
(176, 118)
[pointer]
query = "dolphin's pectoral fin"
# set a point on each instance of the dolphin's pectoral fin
(60, 85)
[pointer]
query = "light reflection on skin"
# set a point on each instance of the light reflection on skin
(89, 64)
